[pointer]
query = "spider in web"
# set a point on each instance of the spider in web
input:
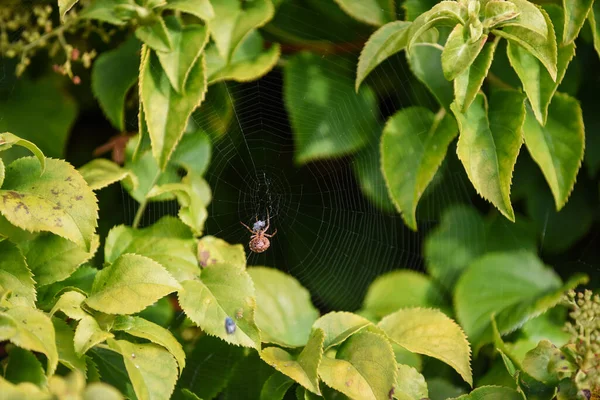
(258, 240)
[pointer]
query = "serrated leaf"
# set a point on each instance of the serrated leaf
(70, 304)
(169, 242)
(576, 12)
(364, 367)
(385, 42)
(2, 170)
(225, 291)
(328, 118)
(399, 289)
(200, 8)
(59, 201)
(430, 332)
(339, 326)
(145, 169)
(23, 366)
(166, 111)
(410, 384)
(444, 13)
(82, 279)
(497, 12)
(212, 250)
(15, 276)
(31, 329)
(101, 172)
(188, 43)
(413, 146)
(542, 46)
(233, 21)
(468, 82)
(155, 35)
(459, 53)
(537, 82)
(301, 367)
(144, 329)
(276, 387)
(64, 6)
(65, 338)
(372, 12)
(530, 17)
(115, 12)
(88, 334)
(594, 18)
(52, 258)
(248, 62)
(288, 325)
(215, 361)
(111, 367)
(113, 74)
(491, 393)
(489, 143)
(151, 368)
(7, 140)
(496, 281)
(558, 146)
(140, 280)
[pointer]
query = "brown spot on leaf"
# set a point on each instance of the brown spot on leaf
(58, 222)
(68, 179)
(54, 192)
(203, 258)
(11, 194)
(23, 206)
(349, 382)
(78, 198)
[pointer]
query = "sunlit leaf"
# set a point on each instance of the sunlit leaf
(101, 172)
(468, 82)
(15, 276)
(339, 326)
(410, 384)
(430, 332)
(88, 334)
(70, 304)
(212, 250)
(459, 52)
(7, 140)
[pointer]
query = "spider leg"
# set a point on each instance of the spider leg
(268, 222)
(247, 227)
(270, 235)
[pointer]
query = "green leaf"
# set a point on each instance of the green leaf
(248, 62)
(82, 279)
(214, 115)
(339, 326)
(328, 118)
(399, 289)
(468, 82)
(430, 332)
(111, 368)
(151, 368)
(300, 367)
(576, 12)
(413, 146)
(59, 201)
(212, 250)
(459, 52)
(70, 304)
(65, 338)
(491, 393)
(88, 334)
(130, 284)
(193, 152)
(542, 46)
(115, 12)
(276, 387)
(7, 140)
(248, 378)
(364, 367)
(234, 20)
(200, 8)
(15, 276)
(166, 111)
(214, 360)
(496, 281)
(372, 12)
(414, 8)
(284, 312)
(100, 172)
(32, 330)
(489, 143)
(2, 170)
(444, 13)
(498, 12)
(530, 17)
(410, 384)
(23, 366)
(113, 74)
(385, 42)
(139, 327)
(537, 82)
(169, 242)
(64, 6)
(594, 18)
(188, 43)
(426, 64)
(541, 362)
(155, 35)
(225, 291)
(30, 102)
(558, 146)
(52, 258)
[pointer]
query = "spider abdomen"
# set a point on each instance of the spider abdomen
(259, 244)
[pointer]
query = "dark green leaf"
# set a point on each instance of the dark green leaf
(66, 349)
(200, 8)
(491, 393)
(276, 387)
(576, 12)
(373, 12)
(15, 276)
(155, 35)
(23, 366)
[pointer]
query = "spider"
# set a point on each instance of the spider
(258, 240)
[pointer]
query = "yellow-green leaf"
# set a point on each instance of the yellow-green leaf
(372, 12)
(200, 8)
(15, 276)
(130, 284)
(101, 172)
(70, 304)
(410, 384)
(88, 334)
(432, 333)
(7, 140)
(459, 52)
(64, 6)
(59, 201)
(339, 326)
(212, 250)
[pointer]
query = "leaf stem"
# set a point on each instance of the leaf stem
(434, 45)
(140, 211)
